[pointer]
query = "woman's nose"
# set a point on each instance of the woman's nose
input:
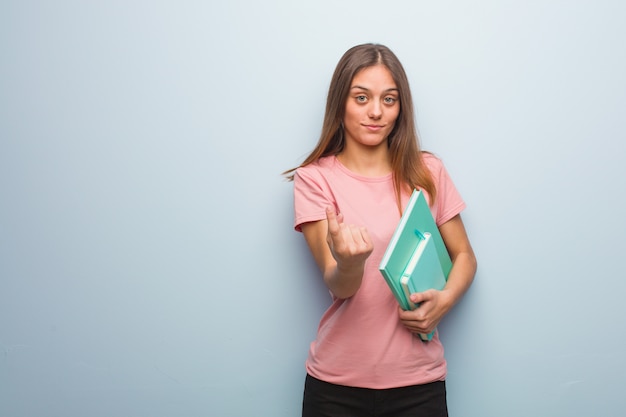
(375, 110)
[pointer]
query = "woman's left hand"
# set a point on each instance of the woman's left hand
(433, 305)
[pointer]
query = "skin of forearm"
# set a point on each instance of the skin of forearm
(460, 278)
(344, 280)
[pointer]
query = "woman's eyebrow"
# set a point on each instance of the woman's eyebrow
(360, 87)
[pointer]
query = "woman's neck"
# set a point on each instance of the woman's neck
(369, 163)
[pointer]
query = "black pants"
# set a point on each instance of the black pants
(322, 399)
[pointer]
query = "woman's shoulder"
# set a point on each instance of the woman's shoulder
(316, 167)
(432, 161)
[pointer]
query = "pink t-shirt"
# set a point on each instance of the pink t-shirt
(360, 340)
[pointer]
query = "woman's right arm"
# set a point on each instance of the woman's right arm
(340, 251)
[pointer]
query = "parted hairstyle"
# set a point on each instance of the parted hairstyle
(408, 167)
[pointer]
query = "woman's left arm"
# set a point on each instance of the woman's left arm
(436, 304)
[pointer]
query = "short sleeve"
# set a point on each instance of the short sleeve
(449, 202)
(312, 195)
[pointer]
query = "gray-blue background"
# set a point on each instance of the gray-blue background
(148, 265)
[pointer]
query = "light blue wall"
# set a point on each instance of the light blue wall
(148, 265)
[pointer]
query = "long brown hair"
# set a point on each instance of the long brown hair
(408, 167)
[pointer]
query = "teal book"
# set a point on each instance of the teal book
(416, 258)
(423, 272)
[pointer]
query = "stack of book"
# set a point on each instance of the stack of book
(416, 258)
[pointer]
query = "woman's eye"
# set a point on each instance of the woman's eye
(390, 100)
(361, 99)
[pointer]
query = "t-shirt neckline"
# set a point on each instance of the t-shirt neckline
(360, 177)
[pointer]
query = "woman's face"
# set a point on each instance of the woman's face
(372, 107)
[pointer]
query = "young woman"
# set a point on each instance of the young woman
(368, 358)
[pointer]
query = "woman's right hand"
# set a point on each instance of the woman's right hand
(340, 250)
(350, 245)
